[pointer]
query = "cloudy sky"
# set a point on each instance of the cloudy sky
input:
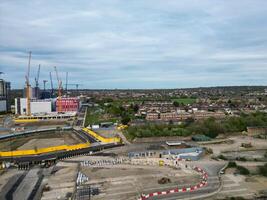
(136, 43)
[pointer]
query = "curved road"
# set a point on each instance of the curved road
(212, 168)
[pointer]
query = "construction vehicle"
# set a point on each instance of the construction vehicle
(28, 86)
(59, 91)
(164, 180)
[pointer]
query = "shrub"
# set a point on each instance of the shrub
(222, 157)
(263, 170)
(125, 120)
(241, 159)
(231, 164)
(242, 170)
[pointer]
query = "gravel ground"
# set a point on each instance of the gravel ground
(128, 181)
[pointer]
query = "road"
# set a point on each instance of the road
(212, 168)
(25, 188)
(23, 185)
(80, 117)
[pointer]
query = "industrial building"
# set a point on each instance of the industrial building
(42, 106)
(5, 101)
(37, 106)
(35, 92)
(192, 153)
(68, 104)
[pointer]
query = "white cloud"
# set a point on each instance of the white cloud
(116, 41)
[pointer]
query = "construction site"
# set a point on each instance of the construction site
(49, 152)
(39, 105)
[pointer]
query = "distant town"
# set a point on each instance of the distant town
(133, 100)
(160, 131)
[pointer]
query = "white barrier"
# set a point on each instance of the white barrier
(81, 178)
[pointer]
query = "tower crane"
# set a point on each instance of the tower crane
(66, 84)
(28, 86)
(59, 91)
(37, 82)
(45, 81)
(51, 84)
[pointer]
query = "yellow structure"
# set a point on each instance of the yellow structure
(29, 120)
(161, 163)
(122, 127)
(43, 150)
(100, 138)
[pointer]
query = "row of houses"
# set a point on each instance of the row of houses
(175, 116)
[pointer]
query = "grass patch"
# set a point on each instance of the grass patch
(128, 136)
(98, 115)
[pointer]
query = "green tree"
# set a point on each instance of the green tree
(125, 120)
(176, 104)
(135, 108)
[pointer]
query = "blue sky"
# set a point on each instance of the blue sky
(136, 43)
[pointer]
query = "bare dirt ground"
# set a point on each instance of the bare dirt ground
(61, 182)
(7, 175)
(256, 183)
(241, 186)
(160, 139)
(128, 181)
(42, 143)
(108, 133)
(40, 140)
(235, 145)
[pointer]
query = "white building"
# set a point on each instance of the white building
(37, 106)
(3, 105)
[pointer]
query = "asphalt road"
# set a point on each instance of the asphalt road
(27, 185)
(212, 168)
